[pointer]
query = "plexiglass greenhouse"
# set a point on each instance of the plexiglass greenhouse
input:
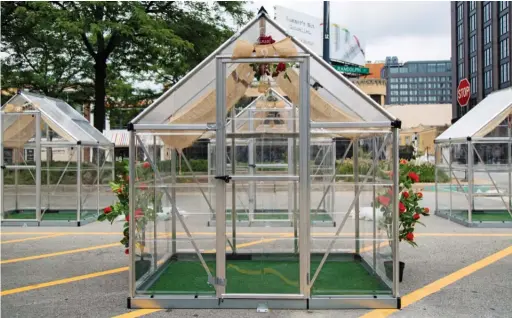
(475, 156)
(55, 165)
(252, 232)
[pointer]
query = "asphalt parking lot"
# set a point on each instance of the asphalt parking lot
(82, 272)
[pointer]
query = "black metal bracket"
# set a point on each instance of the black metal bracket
(399, 303)
(225, 178)
(129, 127)
(468, 138)
(252, 166)
(262, 9)
(2, 167)
(396, 124)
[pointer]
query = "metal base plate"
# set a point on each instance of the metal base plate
(34, 223)
(269, 223)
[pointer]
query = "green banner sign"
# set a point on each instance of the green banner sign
(351, 69)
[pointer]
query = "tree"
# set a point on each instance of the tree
(149, 39)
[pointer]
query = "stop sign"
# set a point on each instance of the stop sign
(463, 92)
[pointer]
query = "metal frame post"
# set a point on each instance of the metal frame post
(220, 162)
(174, 208)
(290, 168)
(37, 157)
(78, 182)
(233, 184)
(374, 181)
(2, 164)
(509, 162)
(131, 184)
(470, 167)
(98, 181)
(450, 170)
(355, 155)
(304, 178)
(155, 258)
(395, 229)
(48, 150)
(252, 167)
(436, 176)
(295, 184)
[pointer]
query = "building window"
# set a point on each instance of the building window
(459, 32)
(413, 99)
(473, 85)
(414, 92)
(504, 73)
(403, 86)
(488, 56)
(29, 155)
(393, 100)
(472, 22)
(504, 51)
(404, 93)
(488, 79)
(413, 80)
(413, 68)
(487, 34)
(431, 67)
(393, 70)
(460, 12)
(487, 11)
(394, 93)
(393, 86)
(460, 51)
(461, 71)
(403, 69)
(404, 99)
(413, 86)
(503, 5)
(472, 65)
(393, 80)
(472, 44)
(432, 98)
(402, 80)
(504, 24)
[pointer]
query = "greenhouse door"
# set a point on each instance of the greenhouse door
(261, 207)
(20, 159)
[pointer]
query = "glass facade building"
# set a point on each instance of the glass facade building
(481, 49)
(417, 82)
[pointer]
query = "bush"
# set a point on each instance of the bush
(426, 171)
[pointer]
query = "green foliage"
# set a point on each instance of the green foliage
(92, 46)
(426, 171)
(346, 167)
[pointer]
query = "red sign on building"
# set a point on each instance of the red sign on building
(463, 92)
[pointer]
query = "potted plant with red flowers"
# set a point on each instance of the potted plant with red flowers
(409, 211)
(144, 212)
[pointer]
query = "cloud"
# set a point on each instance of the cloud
(414, 30)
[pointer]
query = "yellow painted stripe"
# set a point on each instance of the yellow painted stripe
(137, 313)
(62, 281)
(30, 258)
(31, 238)
(441, 283)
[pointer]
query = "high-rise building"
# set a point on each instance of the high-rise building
(417, 82)
(481, 49)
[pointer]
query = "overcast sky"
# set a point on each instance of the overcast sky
(409, 30)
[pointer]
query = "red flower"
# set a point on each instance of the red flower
(403, 161)
(405, 194)
(127, 251)
(413, 176)
(419, 195)
(107, 210)
(138, 213)
(409, 236)
(416, 216)
(281, 67)
(383, 200)
(143, 186)
(146, 165)
(401, 207)
(426, 210)
(127, 218)
(120, 190)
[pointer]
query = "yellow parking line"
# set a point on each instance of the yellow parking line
(62, 281)
(31, 238)
(29, 258)
(439, 284)
(137, 313)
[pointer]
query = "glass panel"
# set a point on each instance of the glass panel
(168, 261)
(359, 261)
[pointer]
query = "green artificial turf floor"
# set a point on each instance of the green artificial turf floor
(275, 214)
(268, 276)
(50, 215)
(483, 216)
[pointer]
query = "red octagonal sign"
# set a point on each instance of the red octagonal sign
(463, 92)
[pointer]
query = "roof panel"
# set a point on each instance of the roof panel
(482, 118)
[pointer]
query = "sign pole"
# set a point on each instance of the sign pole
(327, 26)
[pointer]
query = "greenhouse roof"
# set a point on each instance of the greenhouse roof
(333, 98)
(57, 114)
(481, 119)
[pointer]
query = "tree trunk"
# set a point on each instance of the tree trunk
(100, 93)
